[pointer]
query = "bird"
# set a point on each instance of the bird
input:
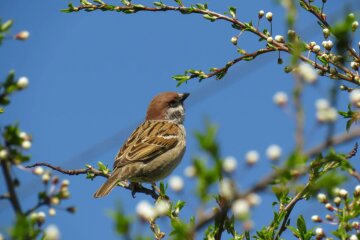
(155, 147)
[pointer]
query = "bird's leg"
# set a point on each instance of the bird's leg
(134, 186)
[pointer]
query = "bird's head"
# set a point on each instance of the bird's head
(167, 106)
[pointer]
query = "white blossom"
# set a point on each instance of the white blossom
(316, 48)
(38, 170)
(65, 183)
(234, 40)
(22, 83)
(355, 97)
(226, 189)
(269, 16)
(316, 218)
(162, 207)
(307, 72)
(252, 157)
(322, 198)
(176, 183)
(190, 171)
(343, 193)
(253, 199)
(26, 144)
(319, 232)
(280, 98)
(240, 208)
(52, 212)
(353, 237)
(229, 164)
(322, 104)
(261, 13)
(279, 38)
(51, 232)
(41, 217)
(4, 153)
(23, 35)
(273, 152)
(145, 210)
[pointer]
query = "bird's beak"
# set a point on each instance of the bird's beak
(184, 96)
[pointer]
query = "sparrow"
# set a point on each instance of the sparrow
(156, 146)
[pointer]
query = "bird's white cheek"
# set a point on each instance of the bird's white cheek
(176, 114)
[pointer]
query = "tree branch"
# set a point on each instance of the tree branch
(138, 189)
(133, 8)
(5, 165)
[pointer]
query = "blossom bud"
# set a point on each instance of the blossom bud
(51, 232)
(229, 164)
(190, 171)
(329, 207)
(354, 25)
(337, 201)
(316, 49)
(355, 225)
(273, 152)
(329, 217)
(176, 183)
(269, 16)
(162, 207)
(252, 157)
(40, 217)
(26, 144)
(269, 39)
(279, 38)
(45, 177)
(261, 14)
(145, 210)
(353, 237)
(4, 153)
(22, 83)
(357, 191)
(322, 198)
(343, 193)
(23, 35)
(326, 32)
(316, 218)
(240, 208)
(54, 201)
(354, 65)
(52, 212)
(38, 170)
(234, 40)
(280, 99)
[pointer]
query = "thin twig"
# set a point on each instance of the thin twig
(95, 172)
(349, 76)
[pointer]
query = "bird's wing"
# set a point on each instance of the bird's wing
(149, 140)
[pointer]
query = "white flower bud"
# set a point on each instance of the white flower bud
(253, 199)
(23, 135)
(240, 208)
(226, 189)
(252, 157)
(354, 25)
(162, 207)
(279, 38)
(65, 183)
(357, 190)
(23, 35)
(328, 44)
(326, 32)
(269, 39)
(316, 49)
(337, 201)
(322, 198)
(26, 144)
(145, 210)
(176, 183)
(354, 65)
(312, 44)
(322, 104)
(355, 97)
(316, 218)
(234, 40)
(307, 72)
(327, 115)
(280, 98)
(355, 225)
(190, 171)
(4, 153)
(319, 232)
(45, 177)
(22, 83)
(261, 14)
(329, 217)
(329, 207)
(229, 164)
(33, 216)
(54, 201)
(269, 16)
(353, 237)
(38, 170)
(51, 232)
(52, 212)
(343, 193)
(273, 152)
(41, 217)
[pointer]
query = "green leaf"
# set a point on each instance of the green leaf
(232, 11)
(181, 79)
(6, 26)
(210, 17)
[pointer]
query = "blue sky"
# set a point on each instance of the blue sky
(93, 74)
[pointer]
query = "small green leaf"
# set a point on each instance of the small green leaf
(232, 11)
(6, 26)
(210, 17)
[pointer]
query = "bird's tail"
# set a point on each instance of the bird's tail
(106, 188)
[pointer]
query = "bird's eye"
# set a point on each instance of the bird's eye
(173, 104)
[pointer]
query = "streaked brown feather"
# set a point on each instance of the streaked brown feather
(149, 140)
